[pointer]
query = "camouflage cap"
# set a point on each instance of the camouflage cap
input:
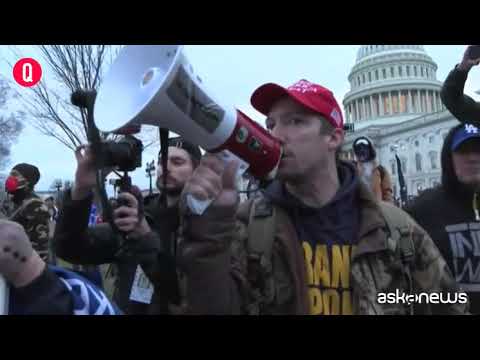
(192, 150)
(29, 172)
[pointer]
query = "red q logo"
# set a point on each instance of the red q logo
(27, 72)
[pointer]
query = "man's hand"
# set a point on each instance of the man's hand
(19, 263)
(213, 179)
(85, 176)
(467, 63)
(128, 218)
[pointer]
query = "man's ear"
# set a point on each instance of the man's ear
(335, 139)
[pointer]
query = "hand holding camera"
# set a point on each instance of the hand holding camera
(471, 57)
(128, 215)
(85, 176)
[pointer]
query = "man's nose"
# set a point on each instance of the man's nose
(473, 156)
(279, 133)
(160, 168)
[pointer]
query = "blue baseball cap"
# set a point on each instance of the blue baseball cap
(466, 132)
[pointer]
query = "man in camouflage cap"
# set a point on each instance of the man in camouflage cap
(147, 281)
(29, 209)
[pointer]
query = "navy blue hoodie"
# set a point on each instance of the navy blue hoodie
(328, 235)
(446, 213)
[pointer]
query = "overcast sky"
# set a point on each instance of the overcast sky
(231, 73)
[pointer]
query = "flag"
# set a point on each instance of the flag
(87, 298)
(92, 218)
(401, 181)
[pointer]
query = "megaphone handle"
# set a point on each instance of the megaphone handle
(4, 296)
(198, 207)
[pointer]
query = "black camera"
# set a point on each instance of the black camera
(349, 128)
(124, 155)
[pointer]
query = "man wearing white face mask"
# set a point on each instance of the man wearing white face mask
(373, 174)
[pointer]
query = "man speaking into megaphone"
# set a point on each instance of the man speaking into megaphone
(289, 251)
(261, 257)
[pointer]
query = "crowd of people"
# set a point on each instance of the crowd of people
(323, 238)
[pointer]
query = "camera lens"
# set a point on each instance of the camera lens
(125, 155)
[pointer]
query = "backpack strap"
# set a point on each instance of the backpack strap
(400, 241)
(381, 169)
(385, 184)
(261, 234)
(22, 207)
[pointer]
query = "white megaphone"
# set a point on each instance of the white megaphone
(4, 296)
(156, 85)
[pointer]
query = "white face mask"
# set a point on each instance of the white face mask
(366, 172)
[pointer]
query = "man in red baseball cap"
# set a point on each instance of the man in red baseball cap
(317, 241)
(301, 117)
(312, 96)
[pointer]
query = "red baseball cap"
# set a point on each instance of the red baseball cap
(313, 96)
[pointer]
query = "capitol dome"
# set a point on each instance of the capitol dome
(367, 50)
(391, 84)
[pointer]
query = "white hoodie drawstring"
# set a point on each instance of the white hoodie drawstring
(475, 207)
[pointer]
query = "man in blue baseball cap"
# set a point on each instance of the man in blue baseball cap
(465, 132)
(450, 212)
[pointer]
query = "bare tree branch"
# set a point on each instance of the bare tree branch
(11, 123)
(69, 67)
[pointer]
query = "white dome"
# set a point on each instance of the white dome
(367, 50)
(391, 82)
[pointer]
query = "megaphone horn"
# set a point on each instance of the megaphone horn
(156, 85)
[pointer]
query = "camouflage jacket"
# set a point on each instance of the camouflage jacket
(33, 215)
(214, 257)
